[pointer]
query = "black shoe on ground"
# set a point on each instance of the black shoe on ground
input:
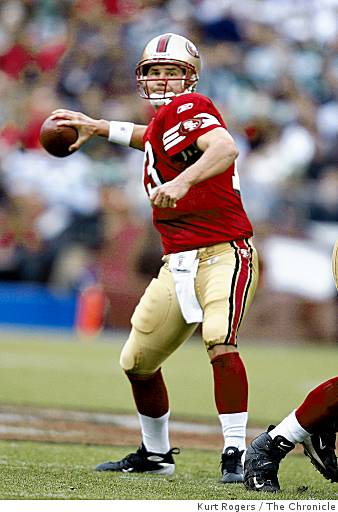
(320, 448)
(231, 466)
(262, 460)
(143, 461)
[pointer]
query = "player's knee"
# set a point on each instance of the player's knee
(131, 366)
(213, 333)
(139, 364)
(127, 361)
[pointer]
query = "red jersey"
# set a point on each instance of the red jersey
(212, 211)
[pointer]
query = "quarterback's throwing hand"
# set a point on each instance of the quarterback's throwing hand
(85, 125)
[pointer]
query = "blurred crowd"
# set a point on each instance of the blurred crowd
(271, 68)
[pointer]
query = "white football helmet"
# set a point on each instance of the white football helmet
(168, 49)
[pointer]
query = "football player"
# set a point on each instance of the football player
(210, 267)
(314, 424)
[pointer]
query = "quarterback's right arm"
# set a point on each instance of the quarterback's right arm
(127, 134)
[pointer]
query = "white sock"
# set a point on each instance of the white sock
(291, 429)
(234, 429)
(155, 433)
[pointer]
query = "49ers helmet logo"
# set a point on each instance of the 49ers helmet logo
(189, 125)
(191, 48)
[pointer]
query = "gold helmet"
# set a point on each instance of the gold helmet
(169, 49)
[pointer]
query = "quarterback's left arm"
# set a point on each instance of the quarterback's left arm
(219, 153)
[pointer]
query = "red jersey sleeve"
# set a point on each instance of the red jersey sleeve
(187, 118)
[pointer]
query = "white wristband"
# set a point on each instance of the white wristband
(120, 132)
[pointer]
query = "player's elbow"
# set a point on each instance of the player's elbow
(233, 151)
(220, 144)
(229, 150)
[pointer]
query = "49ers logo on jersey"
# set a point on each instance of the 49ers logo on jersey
(189, 125)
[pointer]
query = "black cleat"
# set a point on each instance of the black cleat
(320, 448)
(143, 461)
(262, 460)
(231, 466)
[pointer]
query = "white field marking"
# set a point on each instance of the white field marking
(37, 431)
(119, 420)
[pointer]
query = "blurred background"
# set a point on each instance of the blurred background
(76, 243)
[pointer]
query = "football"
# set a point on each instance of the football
(57, 139)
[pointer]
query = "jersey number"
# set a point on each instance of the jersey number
(155, 181)
(235, 180)
(150, 169)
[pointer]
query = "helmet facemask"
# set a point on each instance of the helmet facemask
(189, 79)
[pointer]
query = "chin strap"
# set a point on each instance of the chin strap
(157, 100)
(160, 102)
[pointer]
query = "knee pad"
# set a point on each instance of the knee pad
(134, 363)
(214, 330)
(127, 360)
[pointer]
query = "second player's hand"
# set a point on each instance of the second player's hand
(167, 195)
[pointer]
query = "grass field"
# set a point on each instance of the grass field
(44, 471)
(73, 375)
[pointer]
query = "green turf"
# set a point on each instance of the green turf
(58, 471)
(75, 375)
(87, 376)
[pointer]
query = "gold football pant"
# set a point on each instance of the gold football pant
(225, 284)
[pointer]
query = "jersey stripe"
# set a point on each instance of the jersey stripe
(171, 130)
(174, 142)
(171, 137)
